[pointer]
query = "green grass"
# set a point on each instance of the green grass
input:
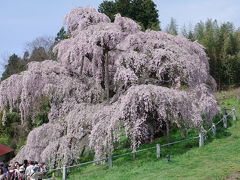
(217, 159)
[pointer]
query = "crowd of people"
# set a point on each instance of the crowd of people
(26, 171)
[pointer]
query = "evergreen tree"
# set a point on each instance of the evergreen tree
(15, 65)
(143, 12)
(62, 34)
(38, 54)
(172, 27)
(222, 47)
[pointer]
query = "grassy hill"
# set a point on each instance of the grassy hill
(219, 158)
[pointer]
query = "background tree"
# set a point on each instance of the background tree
(222, 45)
(38, 54)
(109, 8)
(41, 47)
(172, 27)
(61, 35)
(37, 50)
(15, 65)
(188, 32)
(45, 42)
(143, 12)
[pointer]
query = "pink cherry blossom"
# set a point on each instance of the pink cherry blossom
(153, 78)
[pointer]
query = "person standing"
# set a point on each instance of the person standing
(28, 171)
(2, 174)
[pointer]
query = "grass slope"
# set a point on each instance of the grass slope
(218, 159)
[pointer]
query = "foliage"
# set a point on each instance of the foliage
(172, 27)
(108, 8)
(61, 35)
(15, 65)
(13, 133)
(143, 12)
(42, 42)
(38, 50)
(38, 54)
(222, 45)
(4, 139)
(8, 131)
(41, 116)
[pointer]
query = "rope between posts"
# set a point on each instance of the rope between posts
(146, 149)
(229, 113)
(90, 162)
(120, 155)
(219, 121)
(179, 141)
(52, 170)
(215, 125)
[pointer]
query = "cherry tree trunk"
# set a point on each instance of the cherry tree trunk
(106, 77)
(181, 132)
(82, 64)
(168, 130)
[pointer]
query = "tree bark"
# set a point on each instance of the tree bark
(82, 64)
(106, 76)
(168, 128)
(180, 130)
(168, 132)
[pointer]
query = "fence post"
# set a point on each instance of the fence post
(134, 154)
(64, 172)
(109, 161)
(225, 118)
(158, 150)
(225, 111)
(214, 129)
(53, 176)
(201, 140)
(234, 114)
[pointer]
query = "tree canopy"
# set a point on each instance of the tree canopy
(222, 45)
(15, 65)
(143, 12)
(61, 35)
(110, 78)
(37, 50)
(172, 27)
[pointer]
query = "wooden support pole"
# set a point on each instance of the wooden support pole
(158, 150)
(53, 176)
(201, 140)
(234, 114)
(225, 118)
(109, 161)
(64, 172)
(225, 111)
(214, 129)
(134, 154)
(224, 121)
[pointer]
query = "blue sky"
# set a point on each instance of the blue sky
(22, 21)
